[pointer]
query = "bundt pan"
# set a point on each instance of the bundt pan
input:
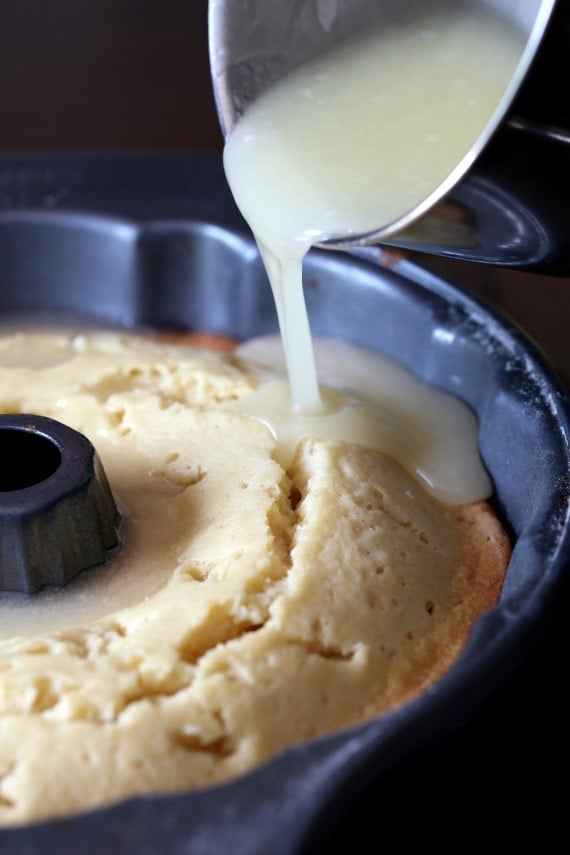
(155, 242)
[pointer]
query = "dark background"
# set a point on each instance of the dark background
(134, 75)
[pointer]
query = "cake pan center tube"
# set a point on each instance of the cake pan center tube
(58, 515)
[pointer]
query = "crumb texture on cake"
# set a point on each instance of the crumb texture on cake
(249, 608)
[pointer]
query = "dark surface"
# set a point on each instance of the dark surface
(133, 75)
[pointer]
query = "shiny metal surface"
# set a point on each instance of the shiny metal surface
(507, 203)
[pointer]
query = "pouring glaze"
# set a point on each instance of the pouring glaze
(506, 202)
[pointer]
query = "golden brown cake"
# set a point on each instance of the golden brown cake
(249, 608)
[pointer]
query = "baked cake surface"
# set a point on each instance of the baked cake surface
(249, 608)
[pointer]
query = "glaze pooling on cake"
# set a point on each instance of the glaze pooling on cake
(250, 608)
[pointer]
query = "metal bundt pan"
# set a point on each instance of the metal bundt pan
(152, 241)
